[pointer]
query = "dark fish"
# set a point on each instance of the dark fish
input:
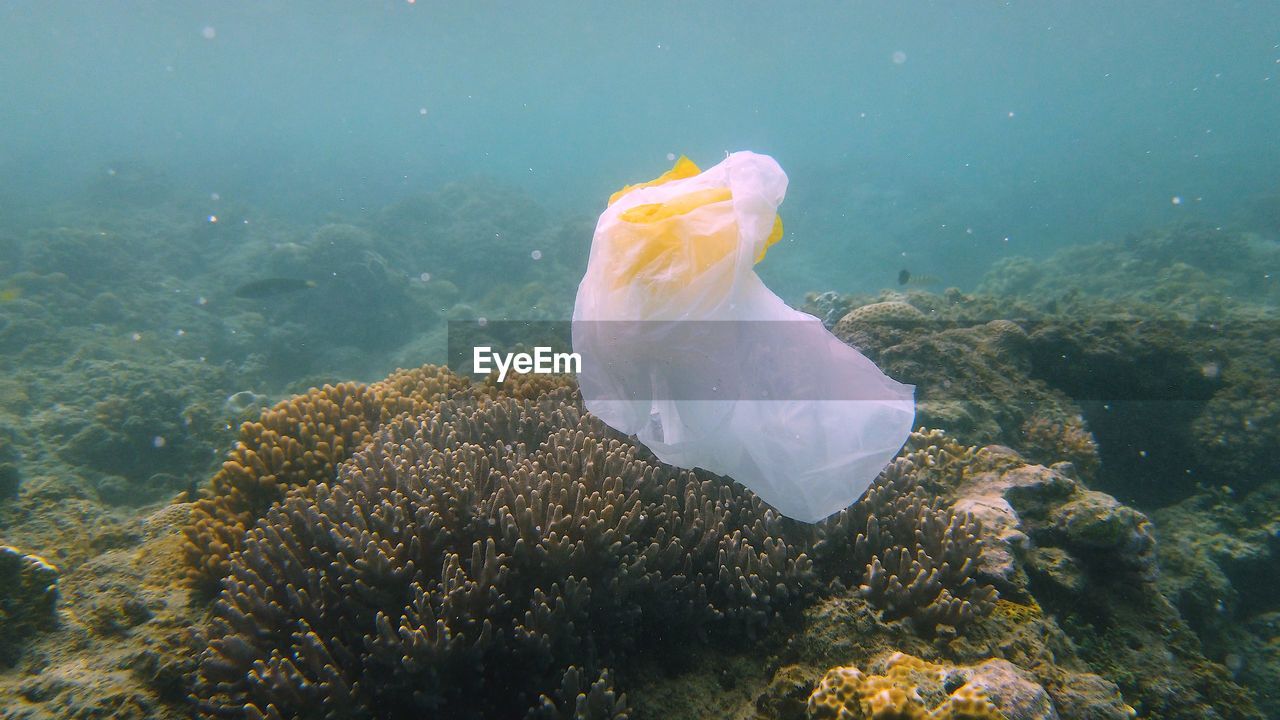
(906, 277)
(270, 287)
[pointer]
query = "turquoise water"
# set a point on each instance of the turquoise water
(1059, 222)
(936, 135)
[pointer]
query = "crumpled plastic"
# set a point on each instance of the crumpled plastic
(684, 347)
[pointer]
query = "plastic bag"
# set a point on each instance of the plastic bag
(683, 346)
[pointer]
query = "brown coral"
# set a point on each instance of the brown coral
(500, 543)
(1047, 441)
(909, 553)
(298, 442)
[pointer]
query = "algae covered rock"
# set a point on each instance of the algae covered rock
(28, 598)
(1091, 562)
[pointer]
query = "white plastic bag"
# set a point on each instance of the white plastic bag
(684, 347)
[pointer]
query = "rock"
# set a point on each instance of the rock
(1086, 695)
(28, 598)
(1011, 690)
(787, 694)
(1097, 523)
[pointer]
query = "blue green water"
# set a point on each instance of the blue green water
(937, 136)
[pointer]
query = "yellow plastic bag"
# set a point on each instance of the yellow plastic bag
(684, 347)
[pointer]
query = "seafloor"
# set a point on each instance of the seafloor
(1086, 526)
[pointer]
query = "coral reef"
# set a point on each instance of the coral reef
(1170, 349)
(300, 441)
(509, 543)
(140, 432)
(905, 686)
(1079, 617)
(1147, 403)
(1091, 562)
(1200, 271)
(972, 367)
(907, 552)
(1219, 556)
(1146, 362)
(1237, 435)
(891, 313)
(1068, 440)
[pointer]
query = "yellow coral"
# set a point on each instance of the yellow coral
(909, 689)
(836, 695)
(1016, 612)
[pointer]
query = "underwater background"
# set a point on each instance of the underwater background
(225, 226)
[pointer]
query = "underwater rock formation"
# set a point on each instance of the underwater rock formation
(1091, 562)
(1145, 402)
(501, 543)
(1219, 557)
(1079, 616)
(971, 365)
(1198, 270)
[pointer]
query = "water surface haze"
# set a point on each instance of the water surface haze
(938, 135)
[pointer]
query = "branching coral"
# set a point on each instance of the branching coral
(909, 553)
(1047, 441)
(298, 442)
(513, 544)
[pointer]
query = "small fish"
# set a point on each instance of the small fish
(905, 277)
(270, 287)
